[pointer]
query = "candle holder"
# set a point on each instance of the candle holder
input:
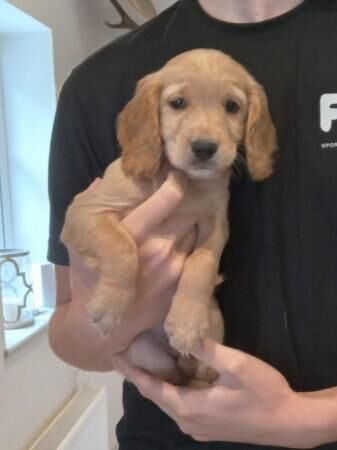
(16, 289)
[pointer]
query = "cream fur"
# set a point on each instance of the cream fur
(152, 134)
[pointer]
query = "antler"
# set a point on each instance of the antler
(126, 21)
(144, 7)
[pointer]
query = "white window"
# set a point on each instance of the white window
(5, 215)
(27, 108)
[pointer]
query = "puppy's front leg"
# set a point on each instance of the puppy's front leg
(117, 257)
(103, 243)
(187, 322)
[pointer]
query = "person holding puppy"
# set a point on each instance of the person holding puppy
(278, 371)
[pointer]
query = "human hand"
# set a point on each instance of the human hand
(250, 402)
(163, 245)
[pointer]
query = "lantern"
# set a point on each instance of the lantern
(16, 288)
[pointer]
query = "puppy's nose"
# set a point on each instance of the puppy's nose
(204, 149)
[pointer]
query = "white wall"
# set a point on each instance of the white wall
(62, 18)
(78, 27)
(34, 385)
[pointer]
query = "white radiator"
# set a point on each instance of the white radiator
(81, 425)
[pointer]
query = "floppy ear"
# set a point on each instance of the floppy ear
(260, 137)
(138, 130)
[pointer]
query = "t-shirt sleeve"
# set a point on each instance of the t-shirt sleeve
(71, 163)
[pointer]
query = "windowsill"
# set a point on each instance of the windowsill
(15, 339)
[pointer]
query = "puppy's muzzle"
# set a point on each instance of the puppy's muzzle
(204, 149)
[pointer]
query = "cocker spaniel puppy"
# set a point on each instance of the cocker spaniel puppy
(193, 114)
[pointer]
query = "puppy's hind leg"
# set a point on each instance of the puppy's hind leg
(147, 354)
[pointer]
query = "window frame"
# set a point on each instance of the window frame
(6, 238)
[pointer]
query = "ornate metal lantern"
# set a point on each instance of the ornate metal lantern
(16, 288)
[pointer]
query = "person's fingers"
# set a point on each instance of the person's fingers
(158, 247)
(205, 228)
(94, 184)
(202, 437)
(177, 227)
(79, 270)
(156, 208)
(225, 360)
(186, 245)
(210, 353)
(156, 305)
(169, 266)
(176, 260)
(133, 374)
(169, 398)
(74, 258)
(235, 367)
(165, 395)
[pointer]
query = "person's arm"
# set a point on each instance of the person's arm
(251, 402)
(72, 336)
(162, 251)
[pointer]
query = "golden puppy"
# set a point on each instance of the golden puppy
(192, 114)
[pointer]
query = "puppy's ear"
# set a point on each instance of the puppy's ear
(260, 137)
(138, 130)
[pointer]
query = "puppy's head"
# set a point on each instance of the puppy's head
(196, 111)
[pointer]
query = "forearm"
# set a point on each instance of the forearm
(319, 415)
(77, 346)
(306, 420)
(78, 342)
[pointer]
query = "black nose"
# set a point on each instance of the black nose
(204, 149)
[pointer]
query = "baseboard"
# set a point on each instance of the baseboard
(81, 425)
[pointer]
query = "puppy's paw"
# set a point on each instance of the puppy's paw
(172, 376)
(188, 365)
(108, 311)
(185, 333)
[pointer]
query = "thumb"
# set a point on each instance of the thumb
(236, 367)
(228, 362)
(211, 353)
(150, 214)
(97, 181)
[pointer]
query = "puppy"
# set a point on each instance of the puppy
(193, 114)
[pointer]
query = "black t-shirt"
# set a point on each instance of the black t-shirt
(280, 296)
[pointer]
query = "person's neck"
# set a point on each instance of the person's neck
(247, 11)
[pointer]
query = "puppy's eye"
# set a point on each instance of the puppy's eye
(232, 107)
(178, 103)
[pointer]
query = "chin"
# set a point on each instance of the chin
(208, 171)
(202, 173)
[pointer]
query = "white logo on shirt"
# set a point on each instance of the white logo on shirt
(328, 111)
